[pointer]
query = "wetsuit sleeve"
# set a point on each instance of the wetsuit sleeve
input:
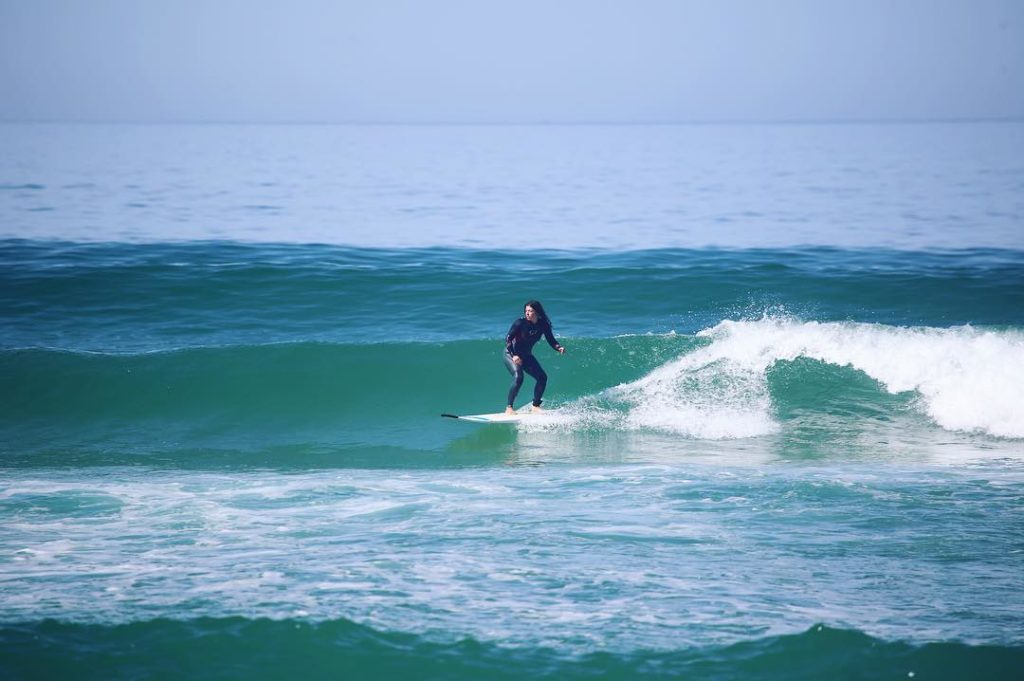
(550, 336)
(511, 336)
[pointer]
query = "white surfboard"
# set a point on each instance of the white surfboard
(500, 417)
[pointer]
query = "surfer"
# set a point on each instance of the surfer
(519, 342)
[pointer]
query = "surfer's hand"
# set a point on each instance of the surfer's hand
(561, 349)
(517, 359)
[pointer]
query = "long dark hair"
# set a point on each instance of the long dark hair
(539, 309)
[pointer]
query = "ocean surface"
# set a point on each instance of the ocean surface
(786, 440)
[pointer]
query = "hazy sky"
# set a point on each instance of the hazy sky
(523, 61)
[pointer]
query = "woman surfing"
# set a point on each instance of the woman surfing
(519, 342)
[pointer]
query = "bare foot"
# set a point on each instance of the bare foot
(536, 408)
(510, 411)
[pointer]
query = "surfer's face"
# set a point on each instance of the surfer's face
(531, 314)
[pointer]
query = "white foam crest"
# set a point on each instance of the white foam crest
(702, 394)
(969, 379)
(698, 395)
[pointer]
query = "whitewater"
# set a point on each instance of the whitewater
(964, 379)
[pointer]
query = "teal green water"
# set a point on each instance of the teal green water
(276, 650)
(786, 439)
(222, 457)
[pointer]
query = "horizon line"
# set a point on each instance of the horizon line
(537, 123)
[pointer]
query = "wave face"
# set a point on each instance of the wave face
(312, 403)
(964, 379)
(299, 355)
(276, 649)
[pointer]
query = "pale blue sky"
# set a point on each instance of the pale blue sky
(524, 62)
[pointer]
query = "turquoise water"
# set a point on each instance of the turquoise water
(787, 439)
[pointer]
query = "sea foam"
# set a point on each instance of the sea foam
(968, 379)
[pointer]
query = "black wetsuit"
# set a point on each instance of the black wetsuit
(520, 340)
